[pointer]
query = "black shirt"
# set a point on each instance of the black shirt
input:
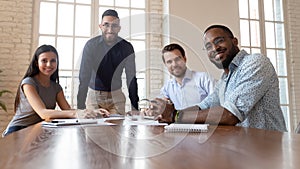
(102, 67)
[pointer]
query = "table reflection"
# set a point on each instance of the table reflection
(133, 141)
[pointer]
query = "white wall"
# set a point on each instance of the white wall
(189, 18)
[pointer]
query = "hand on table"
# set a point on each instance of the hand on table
(162, 110)
(92, 114)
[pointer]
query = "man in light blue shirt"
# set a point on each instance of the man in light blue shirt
(186, 88)
(246, 95)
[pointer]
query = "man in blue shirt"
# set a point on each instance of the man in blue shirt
(104, 58)
(247, 94)
(186, 88)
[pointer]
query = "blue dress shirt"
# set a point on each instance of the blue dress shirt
(195, 87)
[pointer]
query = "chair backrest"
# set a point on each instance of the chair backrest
(298, 129)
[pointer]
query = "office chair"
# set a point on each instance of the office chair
(298, 129)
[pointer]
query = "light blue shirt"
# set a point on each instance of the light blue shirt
(251, 92)
(195, 87)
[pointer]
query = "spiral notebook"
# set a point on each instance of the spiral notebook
(174, 127)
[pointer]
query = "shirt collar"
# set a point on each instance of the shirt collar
(101, 40)
(237, 60)
(188, 74)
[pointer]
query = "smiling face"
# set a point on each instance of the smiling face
(175, 62)
(221, 47)
(47, 63)
(110, 27)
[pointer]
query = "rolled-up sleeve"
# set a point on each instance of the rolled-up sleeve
(212, 99)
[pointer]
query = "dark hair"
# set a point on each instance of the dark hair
(172, 47)
(33, 68)
(110, 12)
(224, 28)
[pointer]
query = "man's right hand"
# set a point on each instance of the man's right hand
(92, 114)
(162, 110)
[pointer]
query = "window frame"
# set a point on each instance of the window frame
(263, 48)
(95, 18)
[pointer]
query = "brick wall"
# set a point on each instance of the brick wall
(16, 25)
(15, 49)
(293, 42)
(155, 66)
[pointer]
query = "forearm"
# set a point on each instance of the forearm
(85, 74)
(215, 115)
(133, 93)
(81, 98)
(54, 114)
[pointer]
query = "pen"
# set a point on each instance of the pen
(58, 121)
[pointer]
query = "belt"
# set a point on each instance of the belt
(106, 92)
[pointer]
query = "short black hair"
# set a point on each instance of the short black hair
(172, 47)
(224, 28)
(110, 12)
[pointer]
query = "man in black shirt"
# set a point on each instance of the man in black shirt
(104, 58)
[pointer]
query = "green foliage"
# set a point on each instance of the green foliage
(2, 104)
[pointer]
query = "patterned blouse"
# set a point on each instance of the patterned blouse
(250, 91)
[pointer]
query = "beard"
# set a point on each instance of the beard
(225, 63)
(179, 73)
(110, 38)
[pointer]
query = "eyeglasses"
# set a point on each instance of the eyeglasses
(217, 41)
(113, 26)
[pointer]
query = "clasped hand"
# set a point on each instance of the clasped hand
(161, 109)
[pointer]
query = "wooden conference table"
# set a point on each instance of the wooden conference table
(148, 147)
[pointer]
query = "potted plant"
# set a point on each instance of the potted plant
(2, 104)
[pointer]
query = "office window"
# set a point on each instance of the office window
(262, 29)
(68, 24)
